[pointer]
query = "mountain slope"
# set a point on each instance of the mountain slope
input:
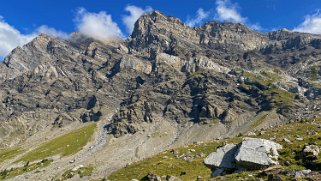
(166, 85)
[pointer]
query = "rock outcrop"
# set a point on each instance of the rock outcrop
(250, 154)
(311, 152)
(257, 153)
(223, 157)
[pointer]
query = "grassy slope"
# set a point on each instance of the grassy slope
(166, 163)
(82, 172)
(6, 174)
(9, 153)
(161, 165)
(64, 145)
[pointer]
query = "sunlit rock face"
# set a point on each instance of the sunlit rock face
(220, 74)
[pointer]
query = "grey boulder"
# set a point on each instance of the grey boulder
(311, 151)
(250, 154)
(257, 153)
(223, 157)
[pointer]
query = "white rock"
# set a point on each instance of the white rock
(251, 133)
(129, 62)
(302, 173)
(223, 157)
(311, 150)
(255, 153)
(77, 168)
(287, 141)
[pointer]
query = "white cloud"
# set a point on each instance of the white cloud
(10, 38)
(201, 15)
(311, 24)
(256, 27)
(227, 11)
(99, 26)
(52, 32)
(134, 13)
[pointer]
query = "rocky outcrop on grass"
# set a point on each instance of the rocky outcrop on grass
(250, 154)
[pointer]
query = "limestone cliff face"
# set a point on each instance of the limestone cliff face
(219, 73)
(41, 53)
(156, 32)
(231, 36)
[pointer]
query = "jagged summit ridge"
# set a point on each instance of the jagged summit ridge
(156, 30)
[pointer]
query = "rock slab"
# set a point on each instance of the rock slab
(223, 157)
(250, 154)
(257, 153)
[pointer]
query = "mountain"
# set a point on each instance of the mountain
(166, 85)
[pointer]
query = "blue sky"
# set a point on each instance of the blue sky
(102, 19)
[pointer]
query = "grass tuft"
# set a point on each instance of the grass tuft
(82, 172)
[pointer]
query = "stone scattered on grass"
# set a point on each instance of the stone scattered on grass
(311, 151)
(287, 141)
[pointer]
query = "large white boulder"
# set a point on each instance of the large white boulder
(223, 157)
(255, 153)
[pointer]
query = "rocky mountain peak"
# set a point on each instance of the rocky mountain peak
(168, 34)
(285, 39)
(161, 33)
(154, 17)
(230, 36)
(43, 50)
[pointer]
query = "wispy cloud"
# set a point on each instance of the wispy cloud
(97, 25)
(311, 24)
(227, 11)
(10, 38)
(134, 13)
(201, 15)
(52, 32)
(256, 26)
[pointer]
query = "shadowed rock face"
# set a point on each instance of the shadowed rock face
(164, 71)
(224, 157)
